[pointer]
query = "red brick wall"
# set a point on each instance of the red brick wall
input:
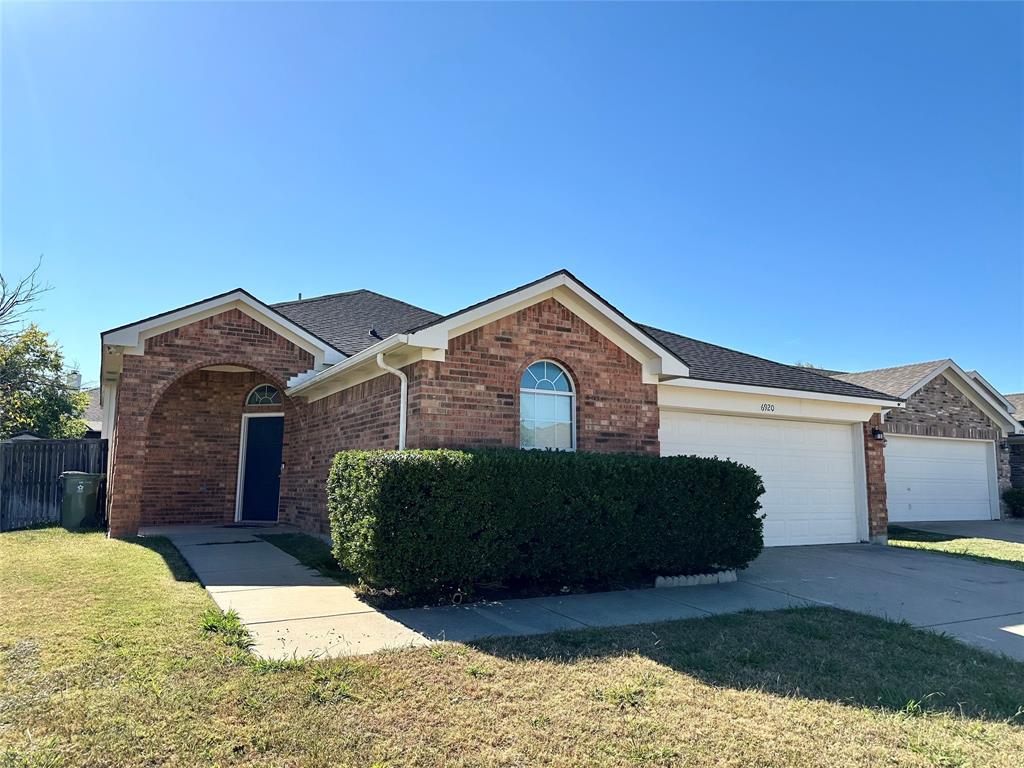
(472, 399)
(939, 409)
(874, 464)
(192, 447)
(364, 416)
(176, 452)
(229, 338)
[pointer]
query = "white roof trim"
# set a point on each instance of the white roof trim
(995, 409)
(437, 334)
(995, 393)
(782, 392)
(133, 336)
(309, 380)
(434, 337)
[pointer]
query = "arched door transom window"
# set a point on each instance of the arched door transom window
(547, 408)
(264, 394)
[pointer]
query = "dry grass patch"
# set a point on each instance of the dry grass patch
(992, 551)
(104, 661)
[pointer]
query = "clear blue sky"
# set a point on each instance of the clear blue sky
(840, 184)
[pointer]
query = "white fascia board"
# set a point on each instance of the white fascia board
(974, 392)
(993, 393)
(781, 392)
(370, 353)
(437, 335)
(761, 407)
(132, 337)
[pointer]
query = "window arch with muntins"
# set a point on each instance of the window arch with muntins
(264, 394)
(547, 408)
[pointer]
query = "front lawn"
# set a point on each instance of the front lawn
(104, 661)
(983, 550)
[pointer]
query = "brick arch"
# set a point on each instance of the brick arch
(270, 378)
(228, 338)
(530, 359)
(192, 444)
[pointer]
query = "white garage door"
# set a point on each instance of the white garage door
(928, 478)
(807, 468)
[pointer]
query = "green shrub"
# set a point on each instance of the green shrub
(1014, 498)
(433, 521)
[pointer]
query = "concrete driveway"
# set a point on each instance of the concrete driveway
(977, 603)
(293, 611)
(1003, 530)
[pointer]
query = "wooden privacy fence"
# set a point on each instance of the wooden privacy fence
(30, 473)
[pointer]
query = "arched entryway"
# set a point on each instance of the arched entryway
(217, 448)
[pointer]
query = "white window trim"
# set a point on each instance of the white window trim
(240, 483)
(571, 394)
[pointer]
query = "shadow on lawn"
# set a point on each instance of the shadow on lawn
(912, 534)
(176, 564)
(813, 653)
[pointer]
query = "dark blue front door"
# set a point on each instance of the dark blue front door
(261, 477)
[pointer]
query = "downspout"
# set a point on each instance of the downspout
(404, 397)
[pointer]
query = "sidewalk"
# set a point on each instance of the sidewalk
(291, 611)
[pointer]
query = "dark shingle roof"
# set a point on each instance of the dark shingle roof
(93, 414)
(893, 381)
(344, 320)
(714, 363)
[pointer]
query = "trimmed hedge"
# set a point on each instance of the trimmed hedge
(432, 521)
(1014, 498)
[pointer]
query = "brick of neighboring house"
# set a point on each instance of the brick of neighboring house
(874, 466)
(228, 338)
(472, 398)
(1017, 461)
(939, 409)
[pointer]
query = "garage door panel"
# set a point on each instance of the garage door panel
(937, 479)
(807, 468)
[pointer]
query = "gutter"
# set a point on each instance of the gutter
(804, 394)
(367, 355)
(404, 397)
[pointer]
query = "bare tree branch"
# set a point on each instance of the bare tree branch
(16, 300)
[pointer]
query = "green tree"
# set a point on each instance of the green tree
(34, 394)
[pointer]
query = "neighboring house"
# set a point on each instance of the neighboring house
(230, 409)
(947, 455)
(25, 434)
(93, 415)
(1017, 442)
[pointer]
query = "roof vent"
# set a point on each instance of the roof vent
(373, 333)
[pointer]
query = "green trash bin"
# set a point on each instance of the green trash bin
(79, 499)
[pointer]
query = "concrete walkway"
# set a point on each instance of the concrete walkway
(1004, 530)
(292, 611)
(289, 609)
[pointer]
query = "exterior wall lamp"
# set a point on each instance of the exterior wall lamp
(879, 435)
(1004, 445)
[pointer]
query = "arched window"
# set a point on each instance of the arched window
(264, 394)
(547, 408)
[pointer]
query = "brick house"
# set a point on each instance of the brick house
(1017, 442)
(948, 451)
(230, 409)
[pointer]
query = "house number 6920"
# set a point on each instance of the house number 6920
(767, 407)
